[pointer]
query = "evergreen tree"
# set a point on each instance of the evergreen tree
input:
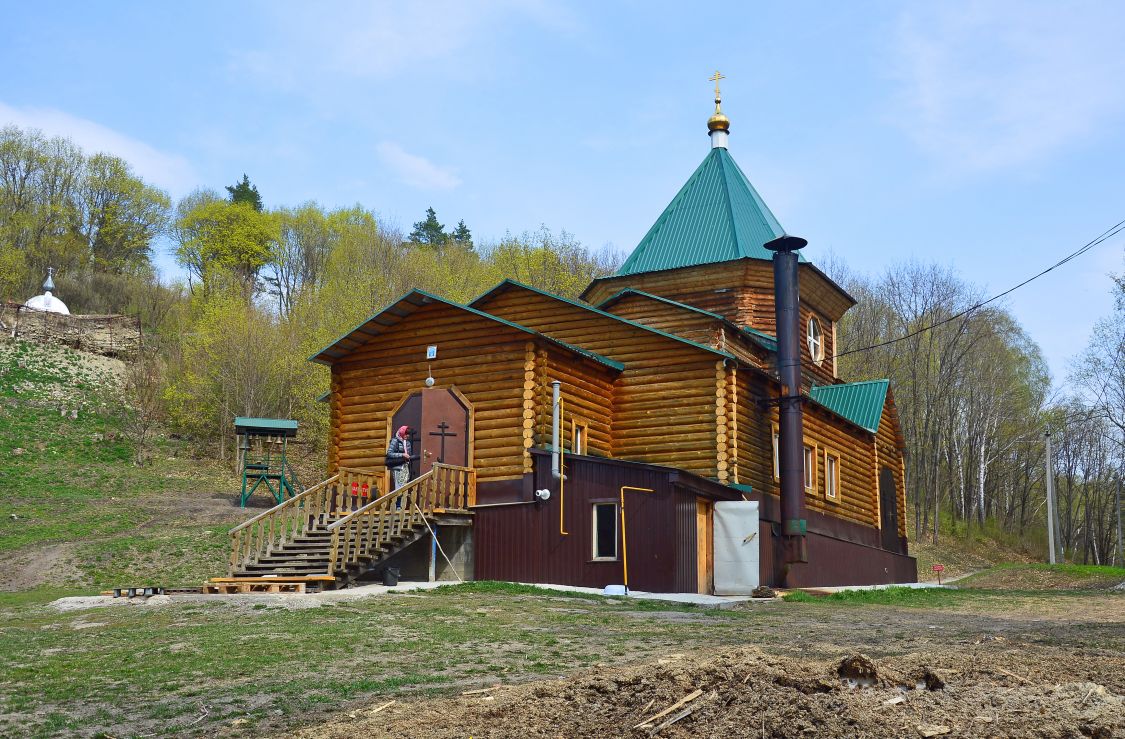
(429, 231)
(244, 192)
(462, 236)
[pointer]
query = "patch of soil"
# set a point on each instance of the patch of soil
(25, 569)
(747, 692)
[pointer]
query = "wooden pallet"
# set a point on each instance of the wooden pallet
(232, 588)
(294, 584)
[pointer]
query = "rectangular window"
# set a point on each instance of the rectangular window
(579, 433)
(605, 531)
(776, 453)
(831, 475)
(810, 468)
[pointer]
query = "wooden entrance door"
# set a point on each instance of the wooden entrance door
(888, 509)
(704, 545)
(409, 414)
(444, 429)
(440, 428)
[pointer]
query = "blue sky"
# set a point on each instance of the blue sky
(985, 136)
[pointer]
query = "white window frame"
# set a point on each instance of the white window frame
(808, 455)
(776, 452)
(594, 532)
(579, 436)
(814, 333)
(832, 475)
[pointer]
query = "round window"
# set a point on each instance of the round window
(816, 340)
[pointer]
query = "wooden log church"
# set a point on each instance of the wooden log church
(610, 439)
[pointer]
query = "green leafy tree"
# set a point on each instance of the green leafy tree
(119, 216)
(462, 236)
(221, 243)
(429, 231)
(245, 193)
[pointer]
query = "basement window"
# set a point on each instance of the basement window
(605, 531)
(831, 475)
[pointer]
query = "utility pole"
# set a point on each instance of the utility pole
(1120, 545)
(1050, 500)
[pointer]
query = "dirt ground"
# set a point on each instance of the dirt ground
(1026, 671)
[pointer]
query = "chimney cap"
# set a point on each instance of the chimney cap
(786, 243)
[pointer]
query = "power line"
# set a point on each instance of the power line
(1105, 236)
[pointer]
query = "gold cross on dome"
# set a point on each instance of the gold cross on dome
(715, 78)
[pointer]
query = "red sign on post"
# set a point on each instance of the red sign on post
(939, 569)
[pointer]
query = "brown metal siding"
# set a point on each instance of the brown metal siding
(522, 543)
(686, 573)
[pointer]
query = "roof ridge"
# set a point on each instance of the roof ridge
(728, 200)
(856, 382)
(593, 309)
(612, 363)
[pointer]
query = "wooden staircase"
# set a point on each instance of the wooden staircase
(342, 528)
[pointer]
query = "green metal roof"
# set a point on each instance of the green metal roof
(716, 216)
(761, 338)
(586, 306)
(634, 291)
(412, 301)
(859, 402)
(265, 426)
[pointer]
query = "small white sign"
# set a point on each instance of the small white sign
(431, 352)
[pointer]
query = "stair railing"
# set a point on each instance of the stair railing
(346, 491)
(375, 526)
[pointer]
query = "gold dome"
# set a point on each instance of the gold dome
(718, 121)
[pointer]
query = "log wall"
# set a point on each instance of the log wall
(890, 444)
(664, 401)
(690, 325)
(742, 291)
(587, 399)
(486, 361)
(858, 496)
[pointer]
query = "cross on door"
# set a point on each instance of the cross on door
(444, 433)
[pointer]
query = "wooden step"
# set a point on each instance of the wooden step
(282, 571)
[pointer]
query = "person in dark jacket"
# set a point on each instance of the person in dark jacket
(399, 449)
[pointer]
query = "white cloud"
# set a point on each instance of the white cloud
(169, 171)
(993, 85)
(414, 170)
(368, 39)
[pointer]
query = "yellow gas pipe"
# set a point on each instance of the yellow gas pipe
(624, 544)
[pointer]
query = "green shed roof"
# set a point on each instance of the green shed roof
(716, 216)
(859, 402)
(265, 426)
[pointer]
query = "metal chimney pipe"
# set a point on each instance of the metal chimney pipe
(791, 462)
(556, 471)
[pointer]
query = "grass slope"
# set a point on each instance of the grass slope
(77, 512)
(970, 548)
(1039, 576)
